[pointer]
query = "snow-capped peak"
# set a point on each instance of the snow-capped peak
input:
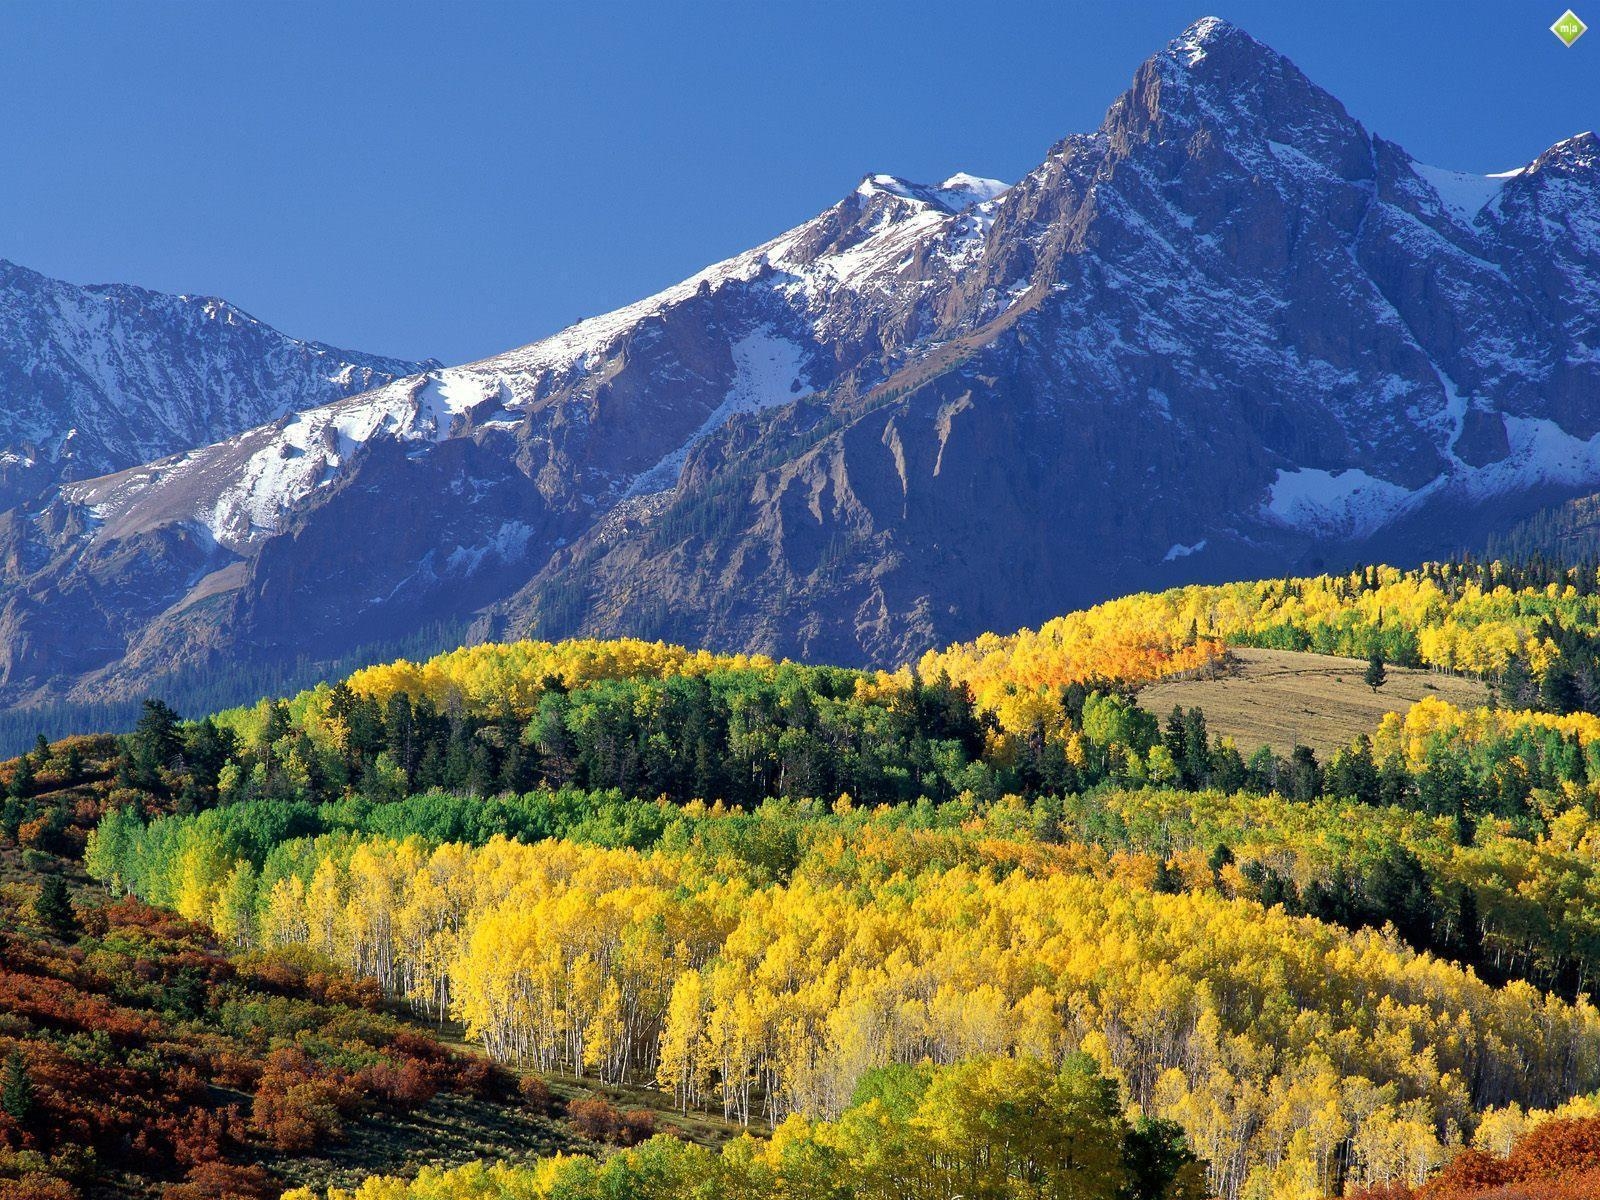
(1193, 43)
(964, 190)
(1580, 152)
(956, 194)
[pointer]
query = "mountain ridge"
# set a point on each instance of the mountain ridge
(102, 377)
(1227, 333)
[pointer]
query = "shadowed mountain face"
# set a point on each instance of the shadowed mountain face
(1228, 333)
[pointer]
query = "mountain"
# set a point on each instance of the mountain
(101, 378)
(1229, 333)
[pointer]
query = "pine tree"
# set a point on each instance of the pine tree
(16, 1089)
(53, 907)
(1168, 880)
(74, 765)
(22, 779)
(1376, 675)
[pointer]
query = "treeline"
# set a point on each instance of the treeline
(742, 736)
(1552, 539)
(733, 735)
(210, 689)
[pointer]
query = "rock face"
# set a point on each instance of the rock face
(96, 379)
(1231, 332)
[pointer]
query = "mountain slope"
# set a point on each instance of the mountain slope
(100, 378)
(1228, 332)
(1248, 333)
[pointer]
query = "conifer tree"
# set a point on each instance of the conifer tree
(1376, 675)
(16, 1089)
(53, 907)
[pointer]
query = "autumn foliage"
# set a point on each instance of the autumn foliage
(1557, 1159)
(115, 1045)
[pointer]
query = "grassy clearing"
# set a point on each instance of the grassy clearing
(449, 1131)
(1280, 698)
(707, 1128)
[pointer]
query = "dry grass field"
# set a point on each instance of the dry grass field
(1279, 698)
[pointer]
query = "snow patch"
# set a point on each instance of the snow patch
(957, 194)
(1297, 159)
(1181, 551)
(1191, 44)
(1347, 503)
(1541, 453)
(962, 190)
(508, 545)
(1462, 193)
(768, 371)
(452, 394)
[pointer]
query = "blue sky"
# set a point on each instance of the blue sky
(454, 179)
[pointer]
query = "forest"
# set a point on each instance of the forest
(983, 926)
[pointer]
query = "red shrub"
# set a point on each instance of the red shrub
(405, 1085)
(480, 1077)
(1466, 1174)
(635, 1126)
(1556, 1160)
(37, 1187)
(222, 1181)
(296, 1106)
(598, 1120)
(536, 1095)
(1555, 1149)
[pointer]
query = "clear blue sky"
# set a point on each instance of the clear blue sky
(454, 179)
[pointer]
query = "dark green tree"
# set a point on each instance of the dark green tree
(1159, 1162)
(1305, 776)
(1558, 691)
(53, 907)
(16, 1089)
(22, 779)
(1397, 888)
(1376, 675)
(73, 770)
(1515, 688)
(153, 746)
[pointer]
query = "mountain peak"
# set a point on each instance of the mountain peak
(1207, 34)
(1581, 152)
(956, 194)
(1219, 52)
(1243, 96)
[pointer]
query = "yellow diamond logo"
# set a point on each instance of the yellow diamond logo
(1568, 28)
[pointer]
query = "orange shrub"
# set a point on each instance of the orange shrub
(596, 1119)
